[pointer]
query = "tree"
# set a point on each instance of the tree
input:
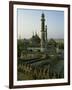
(20, 46)
(60, 45)
(52, 42)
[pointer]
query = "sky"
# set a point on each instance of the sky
(29, 22)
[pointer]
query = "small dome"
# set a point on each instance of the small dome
(35, 39)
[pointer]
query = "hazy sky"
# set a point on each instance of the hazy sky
(29, 21)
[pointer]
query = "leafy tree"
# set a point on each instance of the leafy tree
(60, 45)
(52, 42)
(20, 46)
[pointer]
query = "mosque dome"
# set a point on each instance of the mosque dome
(35, 38)
(35, 41)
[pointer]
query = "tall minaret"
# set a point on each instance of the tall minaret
(43, 38)
(46, 37)
(46, 32)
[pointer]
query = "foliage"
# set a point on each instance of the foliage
(61, 45)
(43, 70)
(52, 42)
(21, 45)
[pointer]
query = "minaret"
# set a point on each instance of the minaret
(46, 32)
(46, 37)
(43, 38)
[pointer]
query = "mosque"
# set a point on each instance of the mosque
(41, 43)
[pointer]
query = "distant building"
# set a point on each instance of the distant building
(35, 40)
